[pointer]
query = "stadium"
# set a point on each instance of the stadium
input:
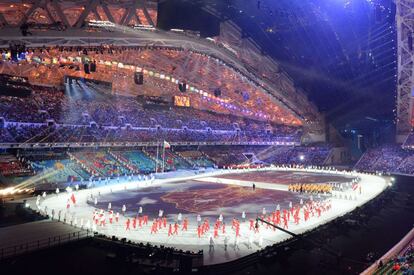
(225, 137)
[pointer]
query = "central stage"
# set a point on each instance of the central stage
(221, 192)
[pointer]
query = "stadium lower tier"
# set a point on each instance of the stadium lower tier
(34, 167)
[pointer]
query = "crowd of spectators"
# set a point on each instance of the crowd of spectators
(50, 115)
(12, 166)
(202, 71)
(388, 158)
(237, 155)
(401, 264)
(84, 134)
(303, 155)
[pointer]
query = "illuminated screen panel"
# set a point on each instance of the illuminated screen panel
(182, 101)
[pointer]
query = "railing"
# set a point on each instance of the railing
(395, 250)
(25, 247)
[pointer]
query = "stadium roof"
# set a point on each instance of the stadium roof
(342, 52)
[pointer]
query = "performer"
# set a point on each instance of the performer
(169, 230)
(128, 222)
(211, 243)
(251, 224)
(102, 220)
(285, 222)
(111, 216)
(185, 224)
(154, 227)
(109, 206)
(117, 217)
(175, 229)
(140, 211)
(215, 231)
(256, 227)
(237, 230)
(207, 224)
(179, 218)
(250, 241)
(306, 214)
(244, 216)
(226, 241)
(199, 231)
(236, 243)
(123, 209)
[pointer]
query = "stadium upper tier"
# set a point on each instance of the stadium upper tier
(163, 69)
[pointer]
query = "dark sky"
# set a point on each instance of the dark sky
(341, 52)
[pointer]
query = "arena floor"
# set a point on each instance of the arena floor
(225, 192)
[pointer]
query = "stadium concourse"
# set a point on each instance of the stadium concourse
(214, 212)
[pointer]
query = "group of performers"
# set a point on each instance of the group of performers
(280, 217)
(310, 188)
(292, 214)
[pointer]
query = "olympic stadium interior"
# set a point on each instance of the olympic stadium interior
(207, 136)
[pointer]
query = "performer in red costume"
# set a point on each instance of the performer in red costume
(285, 222)
(169, 230)
(251, 224)
(185, 224)
(175, 229)
(237, 230)
(128, 222)
(199, 231)
(140, 221)
(215, 231)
